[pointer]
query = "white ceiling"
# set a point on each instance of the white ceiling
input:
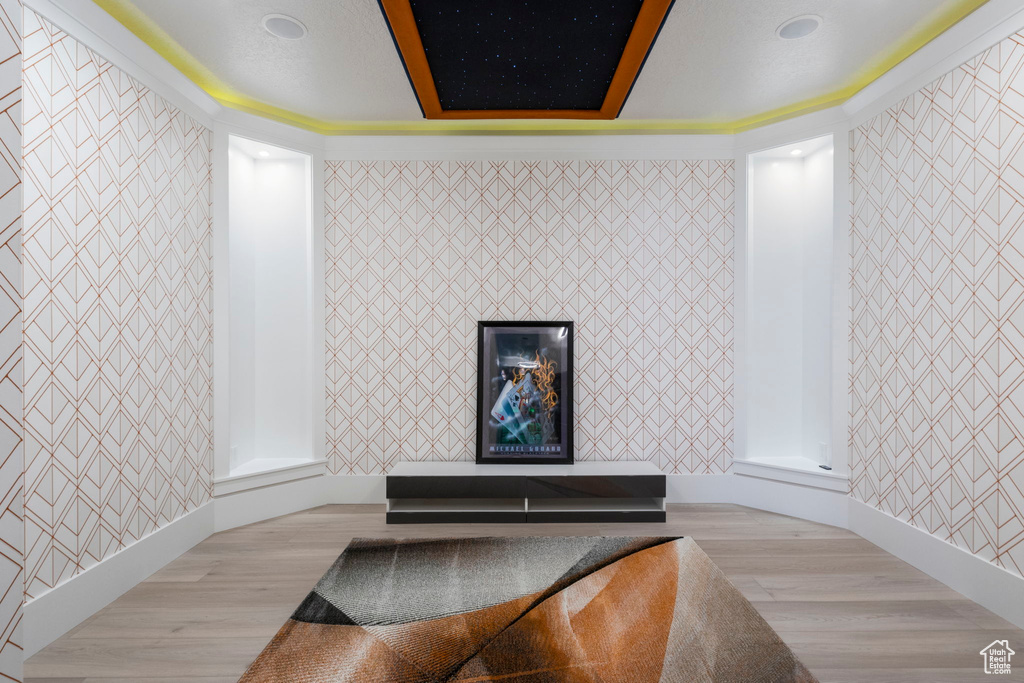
(262, 150)
(715, 60)
(346, 69)
(721, 59)
(796, 150)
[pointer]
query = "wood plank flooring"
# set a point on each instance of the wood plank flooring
(849, 610)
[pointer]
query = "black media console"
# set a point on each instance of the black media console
(463, 492)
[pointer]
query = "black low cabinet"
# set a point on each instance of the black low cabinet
(456, 487)
(641, 486)
(446, 493)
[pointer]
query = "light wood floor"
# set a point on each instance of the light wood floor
(849, 610)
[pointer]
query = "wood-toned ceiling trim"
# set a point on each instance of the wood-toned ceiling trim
(641, 39)
(410, 47)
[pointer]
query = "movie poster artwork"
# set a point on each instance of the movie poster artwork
(525, 392)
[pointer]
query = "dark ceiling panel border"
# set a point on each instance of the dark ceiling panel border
(405, 33)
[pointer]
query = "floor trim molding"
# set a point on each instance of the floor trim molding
(989, 585)
(68, 604)
(297, 469)
(266, 502)
(825, 506)
(255, 505)
(58, 611)
(698, 488)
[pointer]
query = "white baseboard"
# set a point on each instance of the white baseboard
(59, 610)
(255, 505)
(990, 586)
(787, 498)
(283, 470)
(54, 613)
(795, 470)
(796, 500)
(698, 488)
(355, 489)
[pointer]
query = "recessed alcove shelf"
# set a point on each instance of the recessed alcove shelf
(270, 321)
(447, 492)
(787, 388)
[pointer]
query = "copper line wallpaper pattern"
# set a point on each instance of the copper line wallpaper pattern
(638, 253)
(12, 525)
(937, 295)
(118, 309)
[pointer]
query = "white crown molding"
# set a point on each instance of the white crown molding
(247, 125)
(527, 147)
(814, 125)
(977, 32)
(87, 23)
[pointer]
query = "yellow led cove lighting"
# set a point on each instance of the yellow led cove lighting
(146, 30)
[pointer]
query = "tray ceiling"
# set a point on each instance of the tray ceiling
(715, 66)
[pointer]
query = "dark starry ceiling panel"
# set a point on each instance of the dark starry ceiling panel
(523, 54)
(523, 58)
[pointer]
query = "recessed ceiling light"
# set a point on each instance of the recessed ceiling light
(799, 27)
(264, 153)
(797, 152)
(283, 26)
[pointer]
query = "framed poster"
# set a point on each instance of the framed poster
(524, 393)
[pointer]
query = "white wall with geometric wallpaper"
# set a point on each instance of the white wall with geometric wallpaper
(937, 306)
(12, 526)
(638, 253)
(118, 309)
